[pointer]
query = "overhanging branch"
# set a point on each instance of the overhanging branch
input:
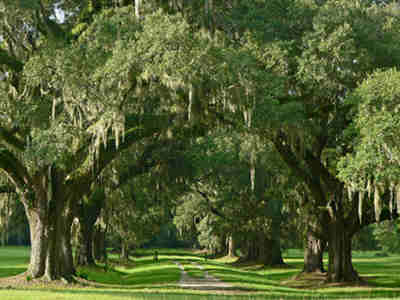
(8, 137)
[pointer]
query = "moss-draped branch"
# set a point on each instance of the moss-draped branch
(14, 169)
(10, 61)
(9, 138)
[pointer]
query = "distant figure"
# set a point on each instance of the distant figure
(156, 256)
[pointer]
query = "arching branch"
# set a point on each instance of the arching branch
(10, 61)
(13, 168)
(8, 137)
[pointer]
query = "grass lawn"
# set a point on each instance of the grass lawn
(145, 279)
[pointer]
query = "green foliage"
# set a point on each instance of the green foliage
(388, 236)
(366, 239)
(24, 4)
(377, 122)
(82, 274)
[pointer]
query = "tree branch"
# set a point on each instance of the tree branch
(8, 136)
(214, 210)
(10, 61)
(6, 189)
(313, 182)
(13, 168)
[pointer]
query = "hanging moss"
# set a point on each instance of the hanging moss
(398, 198)
(369, 188)
(349, 192)
(361, 195)
(377, 203)
(392, 190)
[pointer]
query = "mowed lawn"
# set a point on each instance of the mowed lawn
(145, 279)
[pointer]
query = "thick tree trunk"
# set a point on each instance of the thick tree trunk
(231, 246)
(50, 214)
(89, 211)
(313, 254)
(37, 224)
(252, 250)
(222, 250)
(99, 246)
(84, 253)
(51, 254)
(271, 254)
(66, 246)
(124, 251)
(274, 253)
(266, 251)
(59, 263)
(340, 267)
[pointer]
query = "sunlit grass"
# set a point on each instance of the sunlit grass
(193, 270)
(143, 278)
(13, 260)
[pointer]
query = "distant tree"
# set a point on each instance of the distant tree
(387, 234)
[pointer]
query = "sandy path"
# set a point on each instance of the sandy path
(209, 282)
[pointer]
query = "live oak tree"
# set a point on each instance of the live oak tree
(322, 51)
(236, 196)
(71, 101)
(76, 93)
(136, 214)
(372, 169)
(135, 161)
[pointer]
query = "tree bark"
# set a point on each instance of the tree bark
(49, 208)
(84, 254)
(51, 251)
(231, 246)
(99, 246)
(252, 251)
(89, 211)
(66, 246)
(37, 224)
(264, 250)
(340, 267)
(313, 254)
(124, 251)
(271, 254)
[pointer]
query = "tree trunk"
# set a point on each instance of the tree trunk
(59, 263)
(84, 254)
(124, 251)
(340, 267)
(231, 246)
(252, 253)
(37, 225)
(48, 207)
(99, 246)
(66, 246)
(313, 254)
(89, 211)
(51, 253)
(271, 254)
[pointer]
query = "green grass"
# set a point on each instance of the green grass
(13, 260)
(145, 279)
(193, 270)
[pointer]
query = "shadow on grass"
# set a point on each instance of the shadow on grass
(248, 278)
(172, 294)
(143, 274)
(171, 252)
(7, 272)
(136, 263)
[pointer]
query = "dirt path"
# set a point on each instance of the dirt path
(209, 282)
